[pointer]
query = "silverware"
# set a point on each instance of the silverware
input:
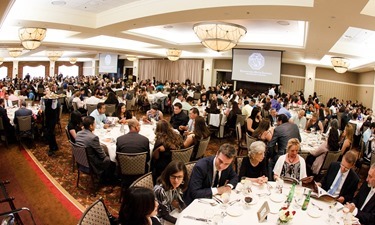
(234, 202)
(207, 202)
(218, 200)
(312, 203)
(196, 218)
(339, 209)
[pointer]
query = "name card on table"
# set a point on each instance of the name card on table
(263, 211)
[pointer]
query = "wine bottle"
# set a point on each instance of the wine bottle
(306, 202)
(291, 193)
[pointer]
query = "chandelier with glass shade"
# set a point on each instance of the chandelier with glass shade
(31, 37)
(131, 58)
(54, 55)
(73, 60)
(173, 54)
(15, 52)
(219, 36)
(340, 64)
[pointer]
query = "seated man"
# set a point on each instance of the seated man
(99, 161)
(189, 128)
(178, 118)
(6, 122)
(363, 206)
(300, 119)
(213, 175)
(22, 111)
(341, 181)
(99, 116)
(133, 142)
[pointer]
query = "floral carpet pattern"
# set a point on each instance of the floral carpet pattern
(60, 168)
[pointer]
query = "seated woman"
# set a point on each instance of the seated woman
(291, 164)
(254, 165)
(346, 144)
(317, 155)
(80, 104)
(169, 189)
(122, 114)
(200, 132)
(202, 100)
(111, 99)
(252, 122)
(314, 123)
(139, 207)
(166, 139)
(232, 116)
(74, 125)
(153, 114)
(264, 131)
(212, 109)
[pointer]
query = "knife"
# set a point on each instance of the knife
(195, 218)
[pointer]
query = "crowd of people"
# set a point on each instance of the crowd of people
(267, 118)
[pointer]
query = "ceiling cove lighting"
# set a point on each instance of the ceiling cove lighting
(340, 64)
(219, 36)
(173, 54)
(31, 37)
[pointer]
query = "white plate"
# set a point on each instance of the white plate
(314, 212)
(235, 211)
(277, 197)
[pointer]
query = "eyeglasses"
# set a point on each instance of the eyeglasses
(176, 177)
(346, 168)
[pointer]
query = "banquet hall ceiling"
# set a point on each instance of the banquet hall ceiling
(308, 31)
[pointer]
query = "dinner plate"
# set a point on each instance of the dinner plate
(314, 212)
(235, 211)
(277, 197)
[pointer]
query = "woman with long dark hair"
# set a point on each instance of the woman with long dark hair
(139, 207)
(122, 114)
(169, 189)
(263, 131)
(200, 132)
(252, 122)
(74, 125)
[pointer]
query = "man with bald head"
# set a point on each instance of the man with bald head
(300, 119)
(133, 142)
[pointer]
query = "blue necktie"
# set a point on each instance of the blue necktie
(336, 185)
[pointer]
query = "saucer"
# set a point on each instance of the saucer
(277, 197)
(235, 211)
(314, 212)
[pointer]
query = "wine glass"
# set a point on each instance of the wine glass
(209, 215)
(225, 197)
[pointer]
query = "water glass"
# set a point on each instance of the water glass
(279, 186)
(209, 215)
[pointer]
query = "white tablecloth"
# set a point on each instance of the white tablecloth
(11, 111)
(249, 215)
(109, 136)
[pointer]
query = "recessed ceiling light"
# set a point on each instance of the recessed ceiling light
(168, 26)
(58, 2)
(348, 37)
(283, 22)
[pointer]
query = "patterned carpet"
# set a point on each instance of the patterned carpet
(60, 167)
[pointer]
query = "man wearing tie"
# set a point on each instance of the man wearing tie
(341, 181)
(212, 175)
(363, 206)
(7, 101)
(189, 128)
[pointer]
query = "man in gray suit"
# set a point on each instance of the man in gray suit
(99, 161)
(281, 135)
(22, 111)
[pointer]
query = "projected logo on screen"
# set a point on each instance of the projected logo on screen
(256, 61)
(108, 60)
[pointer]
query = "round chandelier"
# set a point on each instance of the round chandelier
(15, 52)
(54, 55)
(131, 58)
(31, 37)
(173, 54)
(73, 60)
(340, 64)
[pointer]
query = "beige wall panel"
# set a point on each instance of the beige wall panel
(330, 74)
(366, 78)
(224, 64)
(326, 90)
(365, 95)
(291, 69)
(292, 84)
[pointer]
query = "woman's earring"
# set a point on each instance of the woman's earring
(182, 182)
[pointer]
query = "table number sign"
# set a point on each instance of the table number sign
(263, 211)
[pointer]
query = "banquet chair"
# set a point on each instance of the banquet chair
(90, 108)
(189, 167)
(214, 123)
(144, 181)
(75, 107)
(119, 93)
(15, 103)
(197, 95)
(3, 133)
(12, 217)
(202, 148)
(238, 163)
(110, 109)
(24, 128)
(249, 140)
(241, 119)
(183, 155)
(241, 146)
(332, 156)
(131, 166)
(59, 120)
(83, 165)
(72, 143)
(97, 213)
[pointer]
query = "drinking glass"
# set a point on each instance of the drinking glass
(225, 197)
(209, 215)
(279, 186)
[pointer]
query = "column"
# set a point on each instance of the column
(208, 66)
(309, 80)
(15, 69)
(93, 67)
(135, 70)
(51, 68)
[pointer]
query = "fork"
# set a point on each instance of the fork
(312, 203)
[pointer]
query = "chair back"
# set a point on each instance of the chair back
(132, 163)
(29, 102)
(80, 155)
(110, 109)
(202, 147)
(189, 167)
(90, 108)
(182, 154)
(339, 116)
(249, 140)
(372, 160)
(239, 133)
(1, 125)
(67, 133)
(130, 104)
(24, 123)
(144, 181)
(75, 106)
(15, 103)
(119, 93)
(214, 119)
(332, 156)
(96, 213)
(240, 119)
(238, 163)
(197, 95)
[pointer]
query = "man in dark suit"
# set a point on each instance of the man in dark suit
(6, 122)
(178, 118)
(273, 117)
(99, 161)
(213, 175)
(341, 181)
(284, 131)
(363, 206)
(133, 142)
(22, 111)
